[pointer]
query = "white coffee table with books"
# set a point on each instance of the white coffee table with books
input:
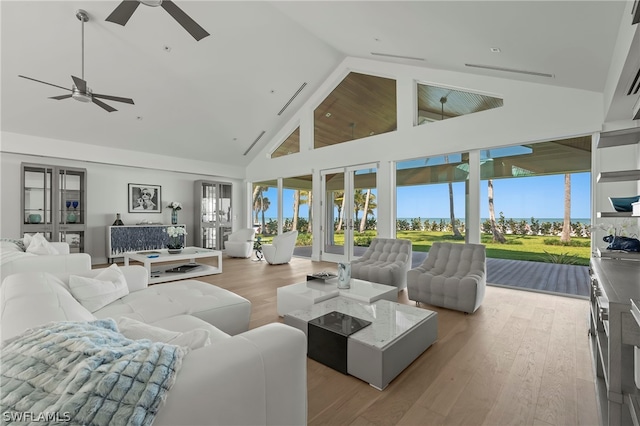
(164, 266)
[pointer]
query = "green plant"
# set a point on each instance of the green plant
(562, 258)
(362, 240)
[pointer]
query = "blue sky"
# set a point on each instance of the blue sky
(541, 197)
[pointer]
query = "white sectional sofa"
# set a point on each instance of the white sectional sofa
(14, 259)
(255, 377)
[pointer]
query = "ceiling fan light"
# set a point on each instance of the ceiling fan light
(152, 3)
(82, 97)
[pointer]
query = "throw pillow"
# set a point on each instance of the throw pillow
(136, 330)
(19, 242)
(38, 244)
(95, 293)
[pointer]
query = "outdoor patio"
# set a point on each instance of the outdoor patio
(569, 280)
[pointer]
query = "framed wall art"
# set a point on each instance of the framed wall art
(145, 198)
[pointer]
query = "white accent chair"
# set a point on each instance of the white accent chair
(240, 243)
(452, 276)
(386, 261)
(281, 248)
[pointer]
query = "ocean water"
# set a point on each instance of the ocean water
(585, 221)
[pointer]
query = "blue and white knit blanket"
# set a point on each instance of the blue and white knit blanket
(85, 373)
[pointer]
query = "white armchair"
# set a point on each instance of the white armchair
(281, 249)
(240, 243)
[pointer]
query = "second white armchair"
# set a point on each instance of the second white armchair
(281, 249)
(240, 243)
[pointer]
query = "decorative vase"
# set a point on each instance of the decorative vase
(71, 218)
(344, 275)
(35, 218)
(118, 221)
(174, 217)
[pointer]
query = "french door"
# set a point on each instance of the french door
(349, 206)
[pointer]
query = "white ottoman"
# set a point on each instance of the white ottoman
(219, 307)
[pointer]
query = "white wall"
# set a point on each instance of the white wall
(107, 194)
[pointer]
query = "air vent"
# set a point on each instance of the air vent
(254, 142)
(292, 98)
(388, 55)
(635, 84)
(635, 12)
(490, 67)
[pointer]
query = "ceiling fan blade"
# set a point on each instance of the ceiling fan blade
(44, 82)
(114, 98)
(102, 105)
(185, 20)
(123, 12)
(61, 97)
(81, 85)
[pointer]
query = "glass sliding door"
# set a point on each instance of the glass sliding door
(349, 210)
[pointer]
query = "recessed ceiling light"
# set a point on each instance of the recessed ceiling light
(328, 115)
(495, 49)
(139, 118)
(166, 48)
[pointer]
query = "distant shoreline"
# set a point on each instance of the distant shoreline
(446, 219)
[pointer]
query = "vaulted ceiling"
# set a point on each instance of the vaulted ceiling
(211, 99)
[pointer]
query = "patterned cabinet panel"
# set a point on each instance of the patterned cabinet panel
(121, 239)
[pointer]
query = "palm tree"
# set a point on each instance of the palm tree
(300, 198)
(339, 201)
(265, 204)
(358, 202)
(296, 209)
(565, 236)
(497, 235)
(452, 216)
(309, 193)
(258, 194)
(369, 206)
(365, 209)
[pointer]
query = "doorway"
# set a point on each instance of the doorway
(349, 211)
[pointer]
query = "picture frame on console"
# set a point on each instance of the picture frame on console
(145, 198)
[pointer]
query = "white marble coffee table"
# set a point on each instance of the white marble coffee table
(305, 294)
(398, 334)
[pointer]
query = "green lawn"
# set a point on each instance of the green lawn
(517, 247)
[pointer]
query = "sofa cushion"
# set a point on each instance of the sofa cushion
(38, 244)
(136, 330)
(222, 308)
(10, 251)
(95, 293)
(183, 323)
(30, 299)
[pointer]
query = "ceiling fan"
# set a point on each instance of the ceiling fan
(80, 91)
(123, 12)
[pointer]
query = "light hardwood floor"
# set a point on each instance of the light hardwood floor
(522, 359)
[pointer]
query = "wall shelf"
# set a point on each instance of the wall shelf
(619, 138)
(616, 214)
(619, 176)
